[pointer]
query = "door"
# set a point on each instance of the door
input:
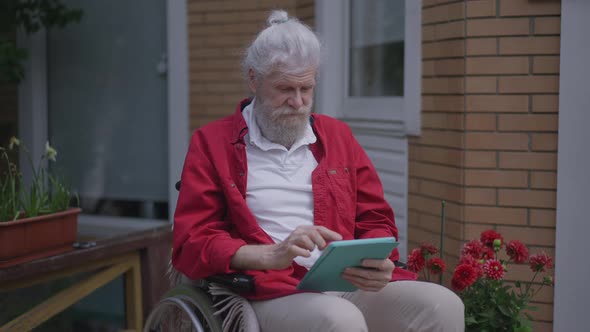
(106, 92)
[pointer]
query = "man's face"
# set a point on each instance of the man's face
(283, 104)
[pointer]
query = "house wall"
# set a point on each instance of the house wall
(488, 144)
(219, 32)
(489, 141)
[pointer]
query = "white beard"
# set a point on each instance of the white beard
(283, 125)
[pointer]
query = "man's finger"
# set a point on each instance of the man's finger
(304, 241)
(327, 234)
(295, 251)
(317, 239)
(366, 274)
(379, 264)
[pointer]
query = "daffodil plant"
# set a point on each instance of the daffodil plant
(46, 194)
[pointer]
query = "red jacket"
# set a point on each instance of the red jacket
(212, 220)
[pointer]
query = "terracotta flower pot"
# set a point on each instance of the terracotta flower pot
(27, 239)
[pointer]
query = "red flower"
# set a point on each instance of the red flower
(473, 248)
(517, 251)
(469, 260)
(465, 275)
(493, 269)
(488, 253)
(488, 237)
(436, 265)
(428, 248)
(416, 260)
(540, 262)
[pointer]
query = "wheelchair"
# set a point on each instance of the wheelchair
(210, 305)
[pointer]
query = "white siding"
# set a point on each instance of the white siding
(389, 153)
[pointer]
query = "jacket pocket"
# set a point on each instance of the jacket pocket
(343, 190)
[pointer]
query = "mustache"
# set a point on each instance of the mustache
(286, 110)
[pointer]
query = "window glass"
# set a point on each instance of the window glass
(376, 48)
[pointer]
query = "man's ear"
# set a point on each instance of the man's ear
(252, 81)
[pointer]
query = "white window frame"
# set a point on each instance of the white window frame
(33, 104)
(333, 100)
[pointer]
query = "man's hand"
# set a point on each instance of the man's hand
(373, 276)
(301, 242)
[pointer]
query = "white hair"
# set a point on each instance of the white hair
(285, 44)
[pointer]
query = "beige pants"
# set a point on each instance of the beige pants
(400, 306)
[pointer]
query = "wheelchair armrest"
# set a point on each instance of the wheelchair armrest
(240, 283)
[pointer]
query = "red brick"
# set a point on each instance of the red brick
(446, 67)
(545, 104)
(481, 84)
(529, 235)
(448, 192)
(529, 45)
(480, 122)
(529, 84)
(544, 180)
(496, 178)
(495, 215)
(482, 46)
(451, 139)
(542, 217)
(497, 103)
(528, 160)
(497, 65)
(544, 142)
(443, 85)
(436, 155)
(498, 27)
(496, 141)
(443, 49)
(547, 25)
(529, 8)
(443, 13)
(480, 159)
(527, 122)
(481, 8)
(447, 30)
(443, 103)
(440, 173)
(480, 196)
(527, 198)
(546, 65)
(442, 120)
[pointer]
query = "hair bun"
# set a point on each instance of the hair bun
(277, 17)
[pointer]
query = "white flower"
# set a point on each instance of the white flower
(13, 141)
(50, 152)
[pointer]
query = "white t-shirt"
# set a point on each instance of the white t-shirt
(279, 191)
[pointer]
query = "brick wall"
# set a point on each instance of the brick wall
(218, 32)
(305, 11)
(489, 142)
(436, 158)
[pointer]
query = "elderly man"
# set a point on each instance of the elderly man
(264, 189)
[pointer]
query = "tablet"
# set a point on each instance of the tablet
(325, 274)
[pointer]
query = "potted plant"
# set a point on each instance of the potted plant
(35, 221)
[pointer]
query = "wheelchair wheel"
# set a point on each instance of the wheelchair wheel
(184, 308)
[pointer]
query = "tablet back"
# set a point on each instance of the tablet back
(325, 274)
